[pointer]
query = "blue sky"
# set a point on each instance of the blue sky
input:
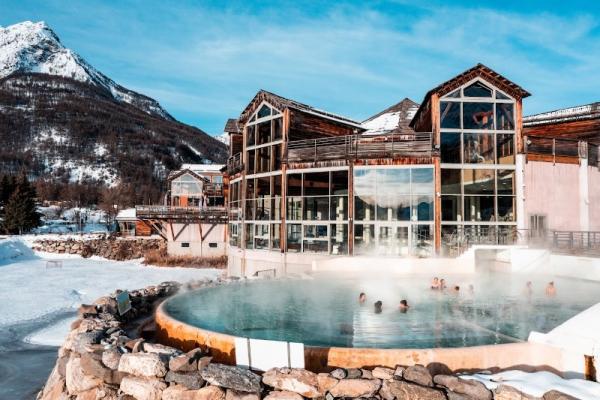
(205, 60)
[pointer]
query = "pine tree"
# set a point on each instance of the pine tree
(20, 211)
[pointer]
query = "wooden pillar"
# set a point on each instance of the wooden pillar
(351, 208)
(437, 206)
(284, 151)
(519, 139)
(437, 174)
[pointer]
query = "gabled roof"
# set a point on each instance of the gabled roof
(232, 126)
(587, 111)
(478, 71)
(282, 103)
(394, 119)
(183, 171)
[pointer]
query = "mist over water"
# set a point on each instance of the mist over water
(325, 311)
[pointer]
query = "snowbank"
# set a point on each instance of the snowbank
(12, 250)
(538, 383)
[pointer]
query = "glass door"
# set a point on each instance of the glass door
(393, 239)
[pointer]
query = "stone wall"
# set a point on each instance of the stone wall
(113, 357)
(110, 247)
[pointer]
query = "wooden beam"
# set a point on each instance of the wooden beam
(437, 199)
(351, 208)
(208, 232)
(180, 231)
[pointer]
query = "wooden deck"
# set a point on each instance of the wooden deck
(174, 214)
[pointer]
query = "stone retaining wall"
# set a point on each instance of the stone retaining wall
(109, 247)
(113, 357)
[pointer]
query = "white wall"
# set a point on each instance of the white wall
(191, 234)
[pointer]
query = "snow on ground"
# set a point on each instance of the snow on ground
(538, 383)
(30, 289)
(52, 335)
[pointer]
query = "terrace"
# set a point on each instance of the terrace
(353, 147)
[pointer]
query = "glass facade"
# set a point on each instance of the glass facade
(390, 204)
(391, 211)
(477, 146)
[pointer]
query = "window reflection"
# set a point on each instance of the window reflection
(478, 116)
(478, 181)
(450, 148)
(450, 114)
(478, 148)
(477, 89)
(505, 145)
(479, 208)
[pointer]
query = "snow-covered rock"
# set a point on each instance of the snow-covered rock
(33, 47)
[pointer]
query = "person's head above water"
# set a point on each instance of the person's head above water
(362, 297)
(442, 283)
(378, 306)
(456, 288)
(404, 304)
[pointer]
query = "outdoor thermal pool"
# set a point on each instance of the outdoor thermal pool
(325, 311)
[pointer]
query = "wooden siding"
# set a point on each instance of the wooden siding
(235, 144)
(587, 130)
(308, 126)
(141, 229)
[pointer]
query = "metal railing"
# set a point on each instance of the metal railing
(565, 242)
(235, 164)
(360, 147)
(175, 213)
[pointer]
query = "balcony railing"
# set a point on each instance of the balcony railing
(188, 214)
(360, 147)
(558, 148)
(235, 164)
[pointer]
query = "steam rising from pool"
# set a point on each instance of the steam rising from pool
(325, 311)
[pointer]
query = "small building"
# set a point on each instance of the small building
(130, 225)
(193, 219)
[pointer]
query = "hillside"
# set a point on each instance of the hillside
(59, 128)
(65, 123)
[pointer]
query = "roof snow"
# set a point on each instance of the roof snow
(203, 167)
(563, 115)
(126, 214)
(394, 119)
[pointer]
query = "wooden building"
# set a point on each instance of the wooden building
(415, 180)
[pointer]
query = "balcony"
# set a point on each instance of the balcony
(215, 215)
(354, 147)
(235, 164)
(561, 150)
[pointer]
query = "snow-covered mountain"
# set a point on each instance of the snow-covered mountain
(32, 47)
(64, 123)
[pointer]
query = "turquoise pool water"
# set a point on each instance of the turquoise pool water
(324, 311)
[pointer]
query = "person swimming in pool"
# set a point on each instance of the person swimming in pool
(403, 306)
(378, 307)
(442, 284)
(456, 289)
(362, 297)
(550, 289)
(435, 283)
